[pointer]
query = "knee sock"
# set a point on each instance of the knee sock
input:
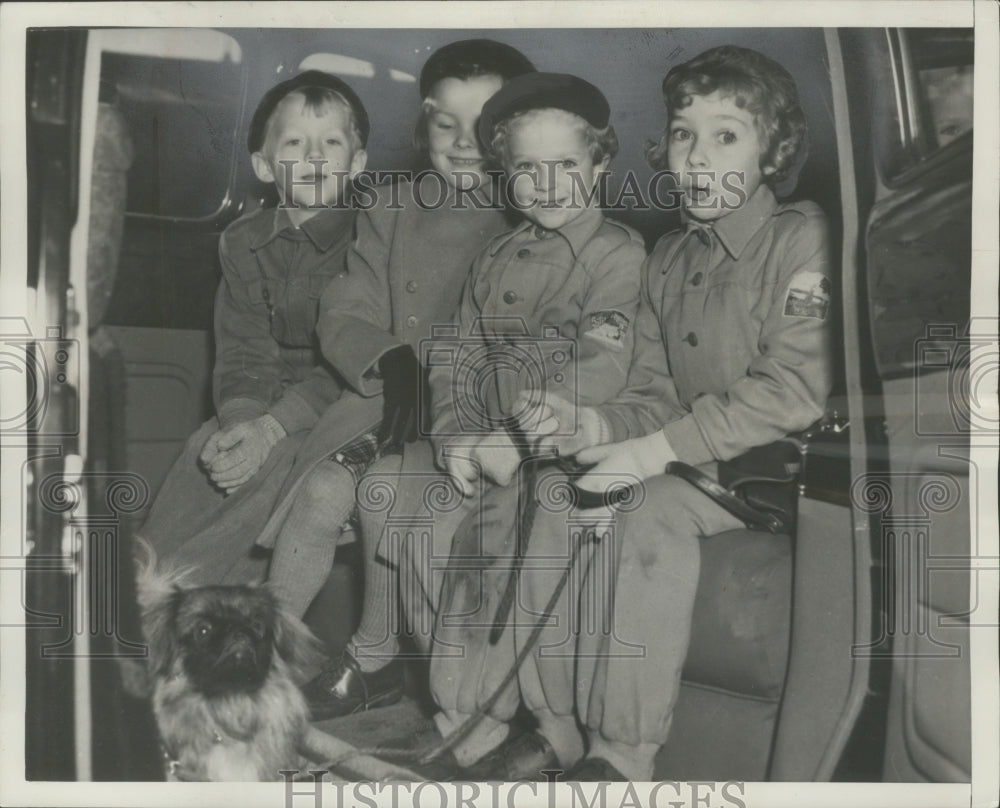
(307, 544)
(376, 642)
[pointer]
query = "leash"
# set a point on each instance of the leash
(527, 504)
(461, 732)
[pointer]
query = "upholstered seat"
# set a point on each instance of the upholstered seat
(734, 674)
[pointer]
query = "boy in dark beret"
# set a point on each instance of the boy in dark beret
(271, 385)
(537, 307)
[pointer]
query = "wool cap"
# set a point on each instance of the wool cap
(544, 91)
(472, 57)
(309, 78)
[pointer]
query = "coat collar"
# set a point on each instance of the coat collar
(576, 234)
(737, 228)
(325, 229)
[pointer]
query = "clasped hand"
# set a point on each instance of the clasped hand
(232, 456)
(495, 454)
(582, 432)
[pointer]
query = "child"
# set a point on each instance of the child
(406, 272)
(568, 271)
(732, 351)
(308, 138)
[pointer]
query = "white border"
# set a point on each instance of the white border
(15, 18)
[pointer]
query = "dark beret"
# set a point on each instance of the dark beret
(472, 57)
(541, 91)
(309, 78)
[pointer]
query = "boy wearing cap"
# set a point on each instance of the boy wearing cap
(557, 280)
(270, 384)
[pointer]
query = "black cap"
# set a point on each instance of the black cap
(544, 91)
(472, 57)
(309, 78)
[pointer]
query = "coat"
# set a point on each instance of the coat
(734, 333)
(267, 361)
(405, 273)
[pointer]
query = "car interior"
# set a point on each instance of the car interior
(821, 652)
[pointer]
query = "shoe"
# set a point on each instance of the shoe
(443, 769)
(594, 770)
(521, 757)
(343, 689)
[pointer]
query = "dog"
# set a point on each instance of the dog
(223, 668)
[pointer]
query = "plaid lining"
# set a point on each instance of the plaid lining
(357, 455)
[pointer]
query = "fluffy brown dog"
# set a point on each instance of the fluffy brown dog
(223, 663)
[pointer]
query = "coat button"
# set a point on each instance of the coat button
(411, 286)
(702, 236)
(696, 279)
(524, 252)
(411, 321)
(691, 339)
(510, 297)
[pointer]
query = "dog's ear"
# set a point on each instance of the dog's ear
(159, 594)
(296, 644)
(159, 625)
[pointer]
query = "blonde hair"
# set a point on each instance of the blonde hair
(601, 143)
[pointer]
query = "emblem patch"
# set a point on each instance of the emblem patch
(609, 327)
(808, 295)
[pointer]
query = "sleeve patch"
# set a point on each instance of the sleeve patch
(808, 295)
(609, 327)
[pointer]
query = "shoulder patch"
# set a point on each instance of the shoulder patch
(608, 327)
(808, 295)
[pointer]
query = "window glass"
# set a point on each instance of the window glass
(181, 103)
(925, 104)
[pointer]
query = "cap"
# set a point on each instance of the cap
(472, 57)
(543, 91)
(309, 78)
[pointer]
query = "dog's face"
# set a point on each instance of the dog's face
(226, 637)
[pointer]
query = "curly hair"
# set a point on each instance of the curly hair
(755, 83)
(601, 143)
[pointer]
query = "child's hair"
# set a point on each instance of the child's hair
(758, 84)
(319, 89)
(601, 143)
(466, 59)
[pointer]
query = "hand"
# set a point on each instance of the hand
(460, 464)
(402, 379)
(233, 456)
(629, 460)
(498, 457)
(548, 419)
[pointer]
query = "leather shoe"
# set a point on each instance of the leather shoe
(594, 770)
(521, 757)
(343, 689)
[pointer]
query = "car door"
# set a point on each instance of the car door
(913, 136)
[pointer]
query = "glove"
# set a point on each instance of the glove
(547, 420)
(233, 456)
(498, 457)
(625, 462)
(459, 461)
(402, 380)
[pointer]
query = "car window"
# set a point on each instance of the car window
(180, 93)
(926, 103)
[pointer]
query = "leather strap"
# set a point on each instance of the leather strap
(724, 498)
